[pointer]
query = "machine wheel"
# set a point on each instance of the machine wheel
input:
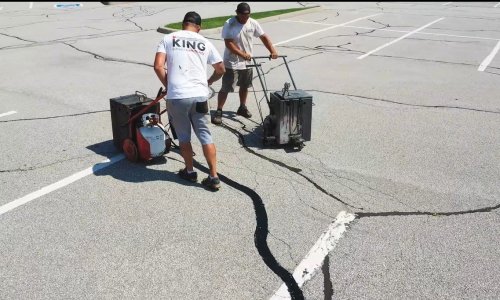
(130, 150)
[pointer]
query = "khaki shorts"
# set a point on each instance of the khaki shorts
(232, 78)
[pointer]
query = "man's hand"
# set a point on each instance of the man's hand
(274, 55)
(246, 56)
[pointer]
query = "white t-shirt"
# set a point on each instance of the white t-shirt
(242, 35)
(188, 54)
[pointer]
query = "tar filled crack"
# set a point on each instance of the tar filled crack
(421, 213)
(260, 235)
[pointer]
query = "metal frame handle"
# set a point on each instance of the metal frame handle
(255, 64)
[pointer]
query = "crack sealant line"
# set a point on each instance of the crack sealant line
(314, 259)
(324, 29)
(400, 38)
(60, 184)
(8, 113)
(489, 58)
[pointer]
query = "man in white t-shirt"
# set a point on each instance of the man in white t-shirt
(238, 33)
(187, 54)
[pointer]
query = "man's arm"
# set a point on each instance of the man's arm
(219, 70)
(231, 45)
(269, 45)
(159, 67)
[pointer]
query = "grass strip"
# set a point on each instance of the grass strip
(219, 21)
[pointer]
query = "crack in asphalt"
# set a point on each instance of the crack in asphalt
(327, 279)
(376, 22)
(55, 117)
(407, 104)
(16, 37)
(137, 25)
(74, 38)
(420, 213)
(242, 142)
(286, 244)
(261, 233)
(97, 56)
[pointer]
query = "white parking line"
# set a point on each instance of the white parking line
(489, 58)
(8, 113)
(400, 38)
(314, 259)
(324, 29)
(31, 5)
(496, 5)
(447, 3)
(393, 30)
(61, 183)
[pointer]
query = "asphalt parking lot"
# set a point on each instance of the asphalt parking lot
(396, 195)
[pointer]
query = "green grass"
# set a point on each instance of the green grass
(219, 21)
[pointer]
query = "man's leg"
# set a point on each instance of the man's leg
(221, 99)
(210, 155)
(243, 96)
(187, 154)
(243, 110)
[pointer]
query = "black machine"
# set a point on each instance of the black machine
(290, 112)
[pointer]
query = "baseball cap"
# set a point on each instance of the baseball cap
(243, 8)
(192, 17)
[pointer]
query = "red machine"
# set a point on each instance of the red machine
(143, 138)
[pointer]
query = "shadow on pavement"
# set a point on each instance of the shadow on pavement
(127, 171)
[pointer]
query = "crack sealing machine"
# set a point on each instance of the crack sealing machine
(290, 111)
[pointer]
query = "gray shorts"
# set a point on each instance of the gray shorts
(183, 113)
(241, 78)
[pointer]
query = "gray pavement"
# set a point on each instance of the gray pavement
(406, 138)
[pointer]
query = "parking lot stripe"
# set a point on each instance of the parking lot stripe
(496, 5)
(324, 29)
(447, 3)
(314, 259)
(489, 58)
(400, 38)
(61, 183)
(8, 113)
(31, 5)
(393, 30)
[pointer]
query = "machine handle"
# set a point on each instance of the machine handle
(269, 57)
(254, 58)
(140, 93)
(158, 98)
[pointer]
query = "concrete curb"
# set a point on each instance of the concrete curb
(167, 30)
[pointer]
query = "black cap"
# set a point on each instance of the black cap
(243, 8)
(192, 17)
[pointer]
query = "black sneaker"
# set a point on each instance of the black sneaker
(243, 111)
(211, 183)
(217, 117)
(183, 173)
